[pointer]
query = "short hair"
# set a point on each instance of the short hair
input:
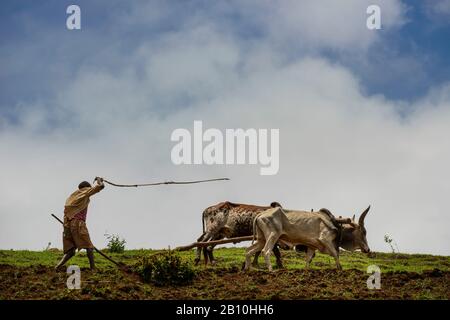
(84, 184)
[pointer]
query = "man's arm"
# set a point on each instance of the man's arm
(100, 182)
(97, 188)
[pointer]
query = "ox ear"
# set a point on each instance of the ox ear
(363, 216)
(353, 218)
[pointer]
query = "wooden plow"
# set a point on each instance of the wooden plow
(213, 242)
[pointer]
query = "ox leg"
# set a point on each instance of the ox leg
(327, 240)
(255, 259)
(209, 251)
(198, 251)
(253, 249)
(331, 250)
(271, 241)
(335, 254)
(336, 258)
(205, 255)
(310, 254)
(206, 237)
(277, 253)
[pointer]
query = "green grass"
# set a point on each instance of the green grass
(30, 275)
(234, 257)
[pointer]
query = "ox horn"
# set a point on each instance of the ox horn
(363, 215)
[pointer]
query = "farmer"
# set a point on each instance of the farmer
(76, 234)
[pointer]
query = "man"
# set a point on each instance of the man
(76, 234)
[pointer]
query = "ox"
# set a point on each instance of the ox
(313, 230)
(229, 220)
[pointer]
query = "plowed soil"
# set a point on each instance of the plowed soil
(42, 282)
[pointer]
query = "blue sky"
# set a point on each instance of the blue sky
(361, 113)
(423, 40)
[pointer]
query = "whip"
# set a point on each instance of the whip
(161, 183)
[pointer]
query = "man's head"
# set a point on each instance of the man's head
(84, 184)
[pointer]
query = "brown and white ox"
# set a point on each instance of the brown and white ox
(313, 230)
(229, 220)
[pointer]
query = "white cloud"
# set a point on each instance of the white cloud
(440, 8)
(337, 25)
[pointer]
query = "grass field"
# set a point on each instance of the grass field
(30, 275)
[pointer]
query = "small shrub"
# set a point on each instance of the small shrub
(115, 243)
(166, 268)
(391, 242)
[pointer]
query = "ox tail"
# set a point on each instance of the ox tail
(255, 225)
(203, 221)
(254, 228)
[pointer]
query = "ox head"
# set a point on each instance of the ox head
(354, 234)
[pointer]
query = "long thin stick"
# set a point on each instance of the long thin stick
(98, 251)
(160, 183)
(214, 242)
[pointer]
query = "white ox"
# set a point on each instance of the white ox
(314, 230)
